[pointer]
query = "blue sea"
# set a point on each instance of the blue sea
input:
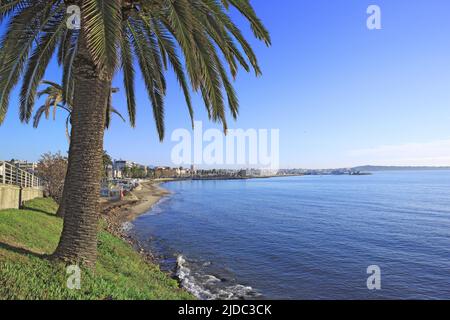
(310, 237)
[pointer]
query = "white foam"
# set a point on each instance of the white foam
(188, 281)
(196, 284)
(127, 226)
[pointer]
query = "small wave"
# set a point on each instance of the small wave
(210, 287)
(158, 208)
(211, 279)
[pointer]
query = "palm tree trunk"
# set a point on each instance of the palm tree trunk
(61, 211)
(78, 242)
(62, 207)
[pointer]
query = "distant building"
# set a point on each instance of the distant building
(253, 172)
(168, 172)
(24, 165)
(165, 172)
(109, 172)
(119, 167)
(122, 164)
(142, 167)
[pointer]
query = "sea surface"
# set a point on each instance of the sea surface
(310, 237)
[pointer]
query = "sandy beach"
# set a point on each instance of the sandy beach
(138, 202)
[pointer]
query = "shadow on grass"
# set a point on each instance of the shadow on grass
(50, 214)
(22, 251)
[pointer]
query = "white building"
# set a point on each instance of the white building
(24, 165)
(119, 167)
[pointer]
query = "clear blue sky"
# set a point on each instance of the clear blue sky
(340, 94)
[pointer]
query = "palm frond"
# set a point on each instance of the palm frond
(23, 29)
(150, 73)
(257, 26)
(102, 19)
(8, 7)
(38, 62)
(69, 58)
(128, 75)
(197, 38)
(169, 47)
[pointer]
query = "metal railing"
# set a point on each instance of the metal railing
(10, 174)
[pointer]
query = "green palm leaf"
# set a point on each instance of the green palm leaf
(102, 20)
(197, 38)
(38, 63)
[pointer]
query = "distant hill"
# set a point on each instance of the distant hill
(397, 168)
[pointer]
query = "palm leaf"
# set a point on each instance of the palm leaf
(128, 75)
(197, 38)
(16, 44)
(102, 19)
(38, 63)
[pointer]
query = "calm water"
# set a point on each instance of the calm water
(306, 237)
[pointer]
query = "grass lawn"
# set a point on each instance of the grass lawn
(26, 235)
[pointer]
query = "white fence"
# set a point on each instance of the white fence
(10, 174)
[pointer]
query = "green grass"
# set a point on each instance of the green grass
(121, 273)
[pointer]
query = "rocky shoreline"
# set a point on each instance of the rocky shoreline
(117, 214)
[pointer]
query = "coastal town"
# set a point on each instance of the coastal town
(122, 176)
(126, 169)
